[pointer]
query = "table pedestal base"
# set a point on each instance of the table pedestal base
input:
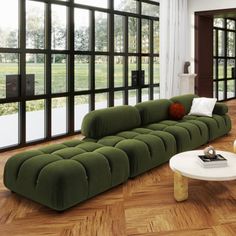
(180, 187)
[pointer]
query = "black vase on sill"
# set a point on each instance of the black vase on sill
(233, 72)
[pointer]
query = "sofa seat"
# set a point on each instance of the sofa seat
(145, 148)
(189, 134)
(62, 175)
(218, 125)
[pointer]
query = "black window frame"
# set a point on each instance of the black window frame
(225, 57)
(71, 53)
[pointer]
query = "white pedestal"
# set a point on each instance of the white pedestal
(187, 83)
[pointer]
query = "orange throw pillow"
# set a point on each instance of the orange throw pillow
(176, 111)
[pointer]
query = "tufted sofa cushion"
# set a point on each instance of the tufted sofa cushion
(99, 123)
(145, 148)
(188, 134)
(62, 175)
(218, 125)
(220, 109)
(154, 111)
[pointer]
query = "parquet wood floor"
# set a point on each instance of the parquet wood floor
(142, 206)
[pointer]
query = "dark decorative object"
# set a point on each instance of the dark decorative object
(142, 77)
(134, 76)
(186, 66)
(209, 152)
(233, 72)
(12, 86)
(137, 77)
(30, 82)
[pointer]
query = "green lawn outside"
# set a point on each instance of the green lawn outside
(230, 83)
(59, 81)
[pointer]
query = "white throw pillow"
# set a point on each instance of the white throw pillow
(202, 106)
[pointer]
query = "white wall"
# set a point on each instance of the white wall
(203, 5)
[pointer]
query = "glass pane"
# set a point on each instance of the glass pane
(132, 97)
(214, 90)
(145, 94)
(132, 34)
(9, 126)
(100, 3)
(150, 9)
(119, 98)
(219, 22)
(59, 73)
(214, 43)
(82, 74)
(101, 69)
(59, 116)
(9, 75)
(214, 69)
(81, 109)
(101, 32)
(156, 93)
(59, 31)
(119, 33)
(230, 66)
(127, 6)
(35, 24)
(221, 43)
(231, 24)
(9, 15)
(145, 36)
(145, 68)
(156, 68)
(221, 90)
(230, 44)
(119, 71)
(156, 39)
(35, 74)
(230, 88)
(221, 66)
(133, 66)
(101, 100)
(82, 30)
(35, 120)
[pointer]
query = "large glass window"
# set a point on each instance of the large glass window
(61, 59)
(9, 128)
(59, 27)
(82, 27)
(9, 15)
(35, 28)
(35, 120)
(9, 78)
(35, 71)
(224, 64)
(59, 73)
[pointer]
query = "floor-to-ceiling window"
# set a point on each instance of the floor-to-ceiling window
(224, 58)
(60, 59)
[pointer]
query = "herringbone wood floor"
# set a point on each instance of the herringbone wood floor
(142, 206)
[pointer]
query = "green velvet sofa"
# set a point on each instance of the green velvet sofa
(120, 143)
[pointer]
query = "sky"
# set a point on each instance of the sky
(9, 14)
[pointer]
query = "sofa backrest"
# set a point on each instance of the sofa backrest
(186, 100)
(99, 123)
(153, 111)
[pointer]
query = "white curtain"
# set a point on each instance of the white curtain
(173, 44)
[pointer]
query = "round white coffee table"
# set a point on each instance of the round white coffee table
(185, 165)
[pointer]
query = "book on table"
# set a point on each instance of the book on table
(217, 161)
